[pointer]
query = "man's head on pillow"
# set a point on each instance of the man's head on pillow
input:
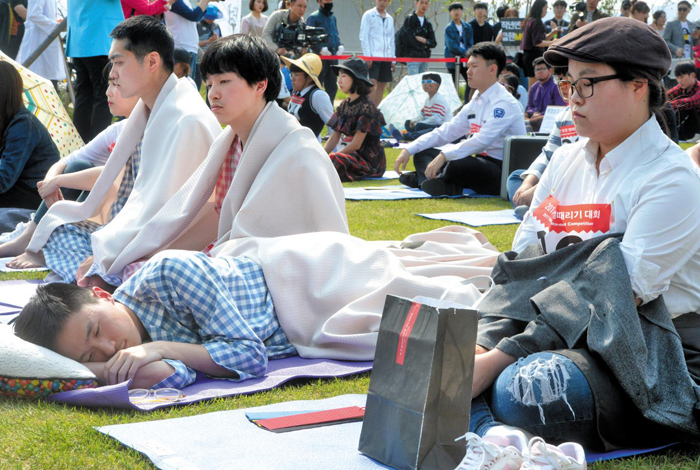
(242, 75)
(85, 325)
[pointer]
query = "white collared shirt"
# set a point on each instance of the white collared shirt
(649, 189)
(486, 121)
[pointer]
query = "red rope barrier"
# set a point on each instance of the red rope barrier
(393, 59)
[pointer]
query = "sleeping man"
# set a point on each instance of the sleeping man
(181, 311)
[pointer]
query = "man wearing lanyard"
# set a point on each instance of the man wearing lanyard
(475, 163)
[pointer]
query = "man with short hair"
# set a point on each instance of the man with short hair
(625, 8)
(640, 12)
(459, 37)
(418, 37)
(324, 18)
(542, 94)
(558, 22)
(475, 163)
(591, 14)
(377, 38)
(483, 31)
(678, 34)
(284, 20)
(165, 139)
(500, 13)
(685, 100)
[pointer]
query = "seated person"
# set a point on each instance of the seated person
(254, 182)
(522, 183)
(492, 115)
(626, 176)
(183, 68)
(171, 128)
(26, 148)
(156, 330)
(511, 84)
(513, 69)
(69, 178)
(310, 104)
(685, 100)
(542, 94)
(435, 112)
(359, 123)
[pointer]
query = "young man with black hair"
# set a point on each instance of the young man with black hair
(500, 13)
(435, 112)
(512, 69)
(542, 94)
(418, 37)
(459, 37)
(558, 22)
(181, 312)
(685, 100)
(640, 12)
(483, 31)
(591, 14)
(310, 104)
(475, 163)
(378, 40)
(166, 138)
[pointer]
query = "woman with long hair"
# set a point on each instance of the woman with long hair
(590, 334)
(26, 149)
(535, 38)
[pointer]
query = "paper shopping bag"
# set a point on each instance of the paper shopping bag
(420, 390)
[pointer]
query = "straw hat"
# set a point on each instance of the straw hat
(311, 65)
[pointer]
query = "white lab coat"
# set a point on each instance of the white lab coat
(41, 20)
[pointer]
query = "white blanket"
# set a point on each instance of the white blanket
(329, 288)
(176, 138)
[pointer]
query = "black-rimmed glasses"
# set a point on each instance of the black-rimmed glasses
(583, 86)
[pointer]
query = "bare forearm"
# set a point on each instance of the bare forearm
(81, 180)
(151, 374)
(56, 169)
(194, 356)
(332, 142)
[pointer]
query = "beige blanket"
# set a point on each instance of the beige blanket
(329, 288)
(177, 135)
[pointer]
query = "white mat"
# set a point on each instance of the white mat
(388, 175)
(477, 218)
(5, 269)
(226, 439)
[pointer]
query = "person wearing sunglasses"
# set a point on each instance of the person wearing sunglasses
(624, 176)
(435, 112)
(678, 34)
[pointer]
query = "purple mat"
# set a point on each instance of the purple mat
(618, 454)
(278, 372)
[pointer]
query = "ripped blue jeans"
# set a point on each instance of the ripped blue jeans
(544, 394)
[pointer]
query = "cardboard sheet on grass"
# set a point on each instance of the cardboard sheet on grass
(477, 218)
(279, 371)
(398, 192)
(14, 295)
(227, 439)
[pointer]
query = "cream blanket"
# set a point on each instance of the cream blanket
(329, 288)
(177, 135)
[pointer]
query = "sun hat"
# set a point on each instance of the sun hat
(357, 67)
(311, 65)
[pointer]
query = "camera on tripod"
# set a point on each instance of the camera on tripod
(298, 37)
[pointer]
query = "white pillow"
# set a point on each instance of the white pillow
(33, 371)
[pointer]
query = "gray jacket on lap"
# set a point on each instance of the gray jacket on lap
(581, 297)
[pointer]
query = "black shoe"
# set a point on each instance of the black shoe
(409, 179)
(438, 187)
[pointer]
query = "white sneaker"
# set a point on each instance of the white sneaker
(490, 452)
(543, 456)
(19, 229)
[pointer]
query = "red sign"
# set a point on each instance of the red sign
(568, 132)
(406, 332)
(575, 218)
(475, 128)
(296, 99)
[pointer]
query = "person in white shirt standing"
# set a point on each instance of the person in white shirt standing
(182, 21)
(475, 163)
(377, 39)
(41, 21)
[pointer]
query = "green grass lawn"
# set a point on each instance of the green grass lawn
(41, 435)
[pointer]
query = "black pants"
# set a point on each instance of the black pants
(481, 174)
(21, 197)
(688, 123)
(329, 80)
(91, 115)
(463, 73)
